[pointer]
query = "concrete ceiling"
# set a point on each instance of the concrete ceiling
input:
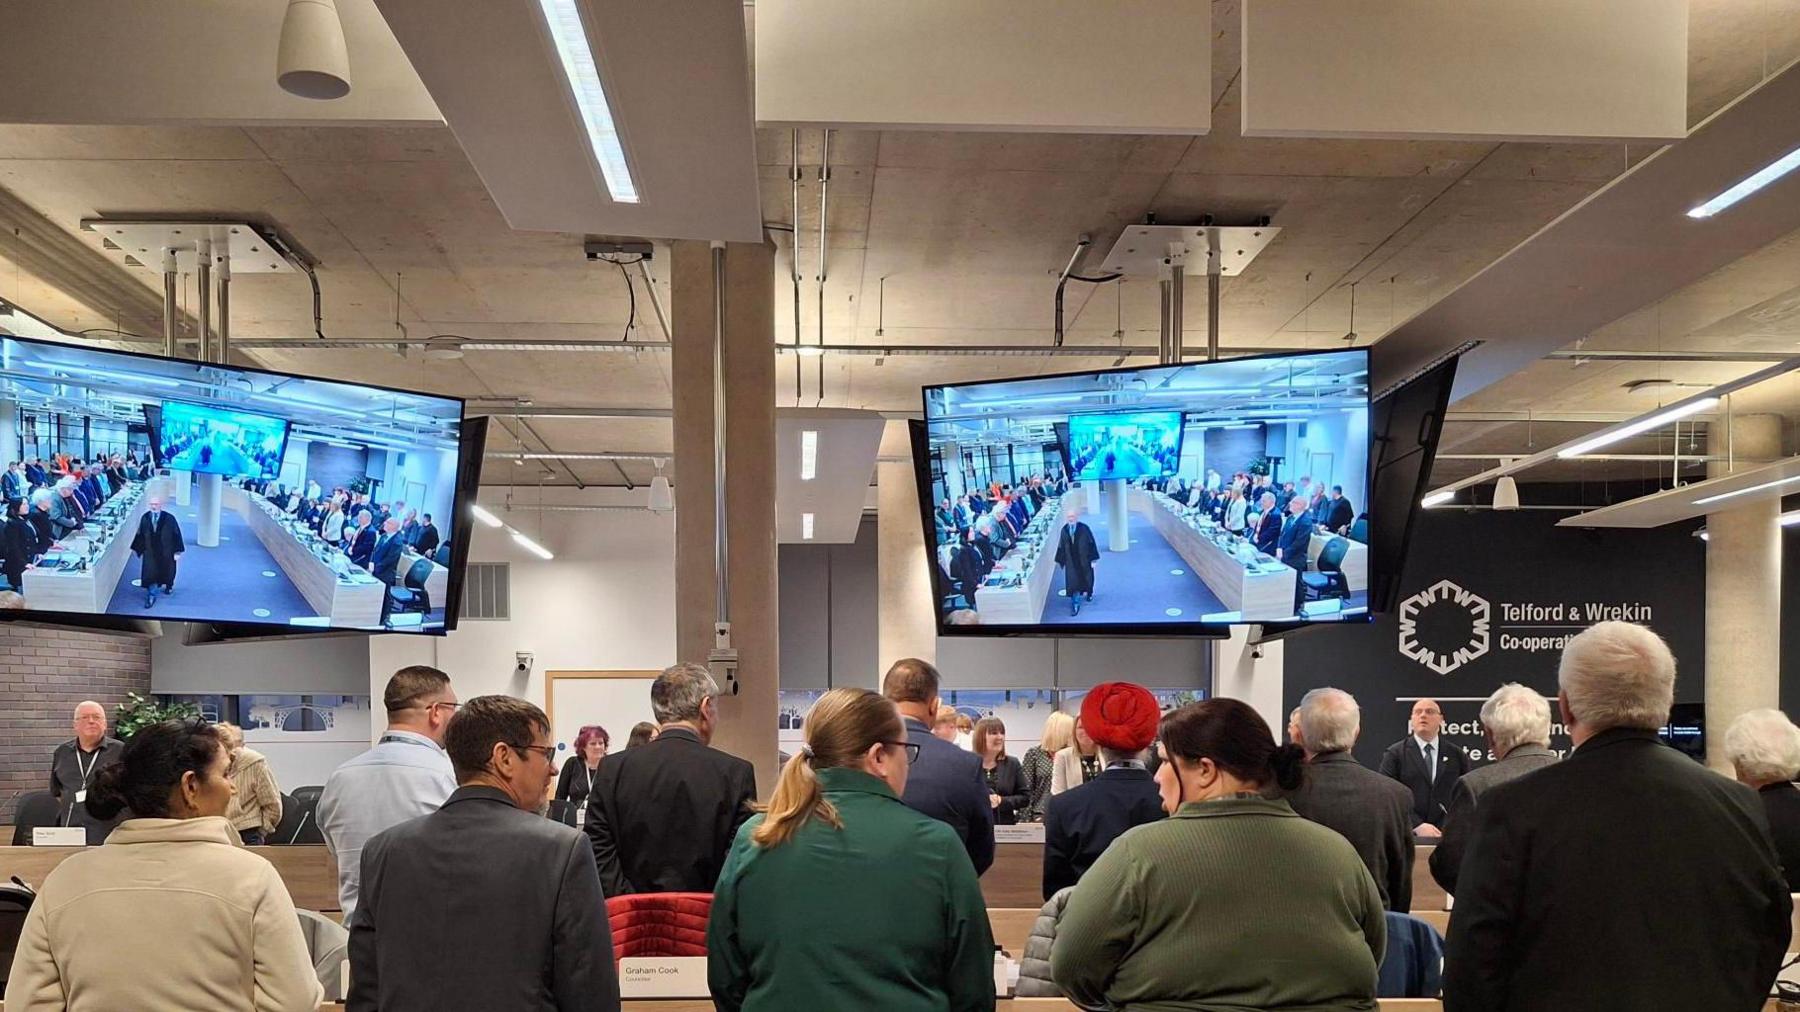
(939, 238)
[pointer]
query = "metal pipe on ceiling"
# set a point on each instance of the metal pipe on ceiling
(223, 342)
(203, 278)
(614, 455)
(1626, 355)
(170, 311)
(794, 252)
(1062, 281)
(721, 547)
(824, 187)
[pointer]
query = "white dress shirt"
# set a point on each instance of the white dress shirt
(404, 776)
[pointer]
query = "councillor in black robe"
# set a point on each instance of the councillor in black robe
(18, 543)
(159, 544)
(1077, 553)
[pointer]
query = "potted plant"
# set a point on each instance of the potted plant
(140, 711)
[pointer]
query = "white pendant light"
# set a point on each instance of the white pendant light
(1506, 493)
(662, 497)
(314, 61)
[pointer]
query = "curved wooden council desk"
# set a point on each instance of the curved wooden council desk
(355, 604)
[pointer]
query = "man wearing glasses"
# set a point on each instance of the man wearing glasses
(74, 764)
(527, 928)
(407, 774)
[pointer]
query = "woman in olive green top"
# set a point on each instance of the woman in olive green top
(1235, 902)
(840, 897)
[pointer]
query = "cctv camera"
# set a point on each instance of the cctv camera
(522, 669)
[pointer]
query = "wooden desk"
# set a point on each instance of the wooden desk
(1356, 560)
(1024, 604)
(345, 605)
(1427, 894)
(1003, 1005)
(309, 871)
(90, 592)
(1252, 595)
(1016, 878)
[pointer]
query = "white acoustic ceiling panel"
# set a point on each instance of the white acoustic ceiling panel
(1077, 66)
(824, 475)
(1565, 70)
(676, 77)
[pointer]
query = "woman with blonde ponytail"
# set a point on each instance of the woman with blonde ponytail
(837, 895)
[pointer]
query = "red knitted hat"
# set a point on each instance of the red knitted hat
(1120, 716)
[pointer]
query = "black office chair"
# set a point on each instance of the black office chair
(1359, 531)
(299, 822)
(1329, 581)
(412, 596)
(15, 902)
(308, 795)
(442, 555)
(35, 808)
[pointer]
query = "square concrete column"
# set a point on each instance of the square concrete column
(908, 624)
(1743, 587)
(746, 720)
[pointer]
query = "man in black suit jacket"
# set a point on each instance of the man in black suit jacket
(1342, 794)
(384, 563)
(1626, 876)
(1764, 749)
(1296, 534)
(1428, 765)
(483, 903)
(1081, 822)
(1268, 526)
(428, 538)
(1339, 514)
(1516, 723)
(945, 782)
(663, 815)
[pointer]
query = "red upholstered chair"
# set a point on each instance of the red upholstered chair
(659, 924)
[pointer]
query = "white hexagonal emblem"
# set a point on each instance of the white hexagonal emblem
(1441, 661)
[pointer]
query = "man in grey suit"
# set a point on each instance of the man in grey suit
(1516, 722)
(484, 904)
(1364, 807)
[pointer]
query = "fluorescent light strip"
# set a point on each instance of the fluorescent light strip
(563, 17)
(1645, 424)
(1752, 183)
(806, 526)
(1788, 519)
(1777, 483)
(809, 454)
(531, 546)
(1436, 499)
(484, 516)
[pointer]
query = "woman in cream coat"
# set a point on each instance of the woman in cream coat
(1076, 764)
(171, 914)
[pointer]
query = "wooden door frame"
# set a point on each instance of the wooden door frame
(550, 678)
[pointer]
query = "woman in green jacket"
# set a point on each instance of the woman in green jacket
(838, 896)
(1234, 903)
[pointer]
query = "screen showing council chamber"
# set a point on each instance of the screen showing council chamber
(166, 489)
(1151, 500)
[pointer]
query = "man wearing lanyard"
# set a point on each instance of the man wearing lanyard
(407, 774)
(74, 764)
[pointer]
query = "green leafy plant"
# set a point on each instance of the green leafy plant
(1260, 466)
(139, 711)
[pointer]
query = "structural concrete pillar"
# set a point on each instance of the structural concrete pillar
(206, 530)
(907, 624)
(746, 719)
(1743, 586)
(1118, 517)
(184, 486)
(9, 433)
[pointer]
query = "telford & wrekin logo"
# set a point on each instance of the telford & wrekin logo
(1444, 626)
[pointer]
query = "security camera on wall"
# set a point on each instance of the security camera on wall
(522, 667)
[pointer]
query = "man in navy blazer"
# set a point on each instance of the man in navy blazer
(944, 782)
(1081, 822)
(1268, 526)
(1296, 535)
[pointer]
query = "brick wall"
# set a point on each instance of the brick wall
(44, 672)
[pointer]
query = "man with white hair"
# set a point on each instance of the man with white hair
(1624, 877)
(1764, 747)
(1361, 805)
(1516, 722)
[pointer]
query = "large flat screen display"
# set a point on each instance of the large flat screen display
(211, 440)
(1165, 500)
(166, 489)
(1131, 444)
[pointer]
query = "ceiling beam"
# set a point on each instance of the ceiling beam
(1624, 355)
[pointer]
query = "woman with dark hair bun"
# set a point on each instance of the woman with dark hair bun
(1233, 902)
(171, 914)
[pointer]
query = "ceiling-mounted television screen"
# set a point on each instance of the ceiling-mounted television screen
(173, 490)
(1163, 500)
(212, 440)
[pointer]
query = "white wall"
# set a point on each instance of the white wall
(1344, 435)
(436, 470)
(606, 602)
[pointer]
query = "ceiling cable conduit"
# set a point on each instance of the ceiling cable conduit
(824, 188)
(794, 251)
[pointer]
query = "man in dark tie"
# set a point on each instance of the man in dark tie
(1295, 535)
(1076, 552)
(1268, 525)
(159, 545)
(384, 561)
(1427, 765)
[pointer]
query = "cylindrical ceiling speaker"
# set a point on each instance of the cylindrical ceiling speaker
(314, 61)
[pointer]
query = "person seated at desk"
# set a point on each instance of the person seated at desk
(172, 914)
(1234, 902)
(361, 541)
(839, 895)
